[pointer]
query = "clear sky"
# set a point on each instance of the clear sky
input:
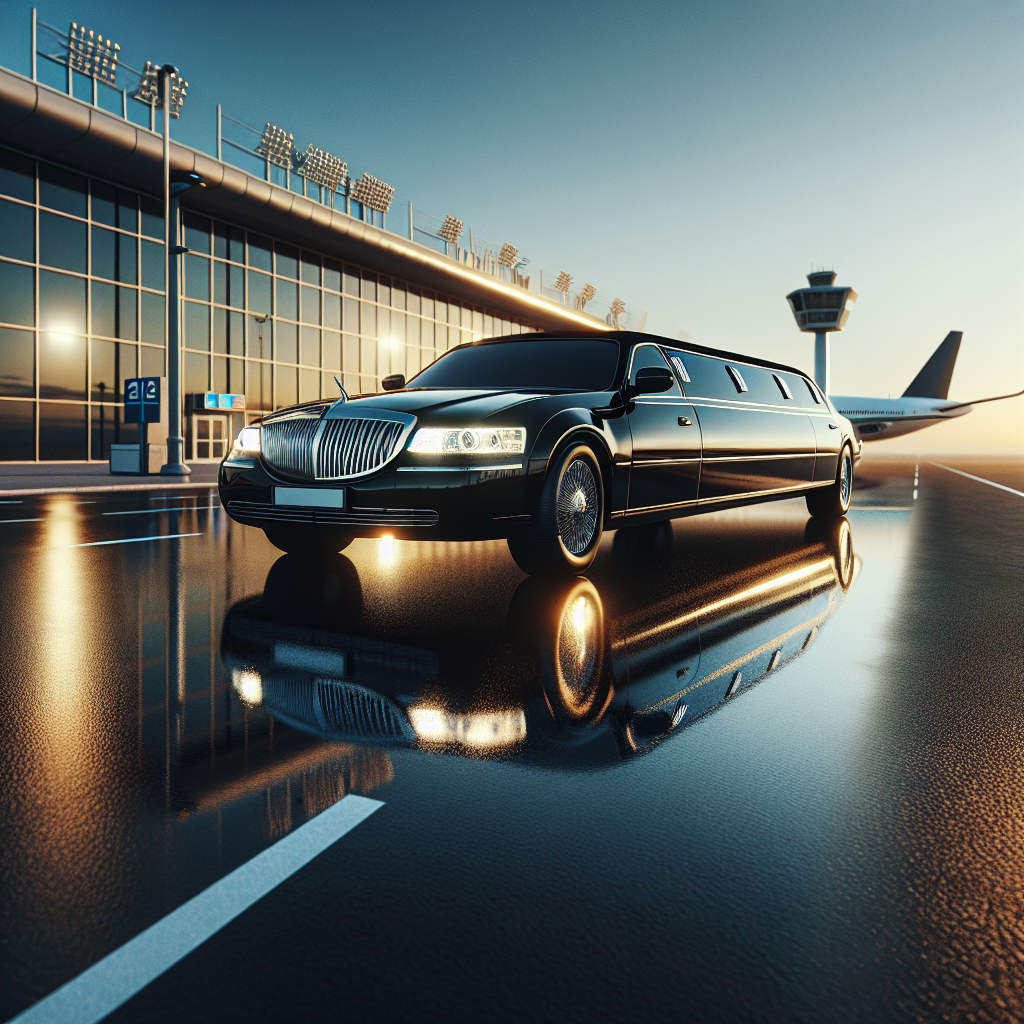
(696, 159)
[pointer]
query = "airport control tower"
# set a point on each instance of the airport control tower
(821, 308)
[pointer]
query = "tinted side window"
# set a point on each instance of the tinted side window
(798, 387)
(649, 355)
(708, 377)
(760, 386)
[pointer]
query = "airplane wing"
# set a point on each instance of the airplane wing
(978, 401)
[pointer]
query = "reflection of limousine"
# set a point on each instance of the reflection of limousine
(571, 680)
(546, 441)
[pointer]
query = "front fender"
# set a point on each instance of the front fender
(609, 437)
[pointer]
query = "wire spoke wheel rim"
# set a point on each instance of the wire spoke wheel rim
(577, 507)
(846, 479)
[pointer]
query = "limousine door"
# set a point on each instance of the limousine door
(666, 442)
(757, 438)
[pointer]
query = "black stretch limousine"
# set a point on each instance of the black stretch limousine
(544, 439)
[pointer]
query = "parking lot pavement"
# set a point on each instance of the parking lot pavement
(750, 768)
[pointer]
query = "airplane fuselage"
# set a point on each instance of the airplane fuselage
(875, 419)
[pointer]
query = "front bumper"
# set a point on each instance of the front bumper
(406, 502)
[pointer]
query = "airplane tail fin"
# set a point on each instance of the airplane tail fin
(933, 380)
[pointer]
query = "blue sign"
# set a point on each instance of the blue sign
(142, 400)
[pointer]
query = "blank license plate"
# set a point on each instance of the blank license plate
(309, 497)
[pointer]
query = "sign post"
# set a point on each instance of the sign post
(143, 399)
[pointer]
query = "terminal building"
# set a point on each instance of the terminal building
(283, 289)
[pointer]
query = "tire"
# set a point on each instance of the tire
(564, 533)
(326, 542)
(834, 502)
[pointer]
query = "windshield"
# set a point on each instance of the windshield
(584, 364)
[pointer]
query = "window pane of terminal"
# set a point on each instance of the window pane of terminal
(310, 305)
(152, 265)
(61, 190)
(127, 211)
(17, 234)
(17, 364)
(259, 252)
(259, 293)
(104, 252)
(287, 348)
(104, 203)
(197, 277)
(152, 217)
(63, 431)
(152, 319)
(126, 259)
(197, 326)
(62, 242)
(287, 300)
(61, 302)
(197, 232)
(18, 430)
(61, 366)
(17, 176)
(287, 260)
(332, 275)
(310, 268)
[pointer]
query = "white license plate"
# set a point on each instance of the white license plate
(310, 497)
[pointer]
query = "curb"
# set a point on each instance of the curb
(12, 493)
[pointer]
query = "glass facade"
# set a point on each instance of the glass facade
(82, 309)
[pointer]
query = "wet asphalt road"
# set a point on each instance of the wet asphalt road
(747, 770)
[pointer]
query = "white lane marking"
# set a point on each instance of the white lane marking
(131, 540)
(980, 479)
(112, 981)
(21, 520)
(154, 511)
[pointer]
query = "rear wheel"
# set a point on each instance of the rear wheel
(322, 542)
(834, 502)
(565, 532)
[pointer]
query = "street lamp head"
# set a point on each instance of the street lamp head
(182, 181)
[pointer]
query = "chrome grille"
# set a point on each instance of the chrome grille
(355, 711)
(288, 443)
(354, 446)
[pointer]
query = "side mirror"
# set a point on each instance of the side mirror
(653, 380)
(393, 383)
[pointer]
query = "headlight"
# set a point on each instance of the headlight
(248, 439)
(469, 441)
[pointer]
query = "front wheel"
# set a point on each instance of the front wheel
(834, 502)
(320, 542)
(565, 532)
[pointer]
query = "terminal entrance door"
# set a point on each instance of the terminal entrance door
(209, 438)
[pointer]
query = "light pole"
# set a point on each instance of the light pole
(174, 185)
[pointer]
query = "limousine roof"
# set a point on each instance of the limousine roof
(634, 337)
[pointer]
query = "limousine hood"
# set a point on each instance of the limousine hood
(457, 407)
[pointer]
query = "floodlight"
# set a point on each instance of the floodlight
(91, 54)
(276, 146)
(586, 293)
(324, 169)
(372, 192)
(148, 89)
(563, 282)
(508, 255)
(618, 308)
(451, 229)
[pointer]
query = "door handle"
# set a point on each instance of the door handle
(685, 421)
(832, 426)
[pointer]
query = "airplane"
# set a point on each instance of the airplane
(923, 403)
